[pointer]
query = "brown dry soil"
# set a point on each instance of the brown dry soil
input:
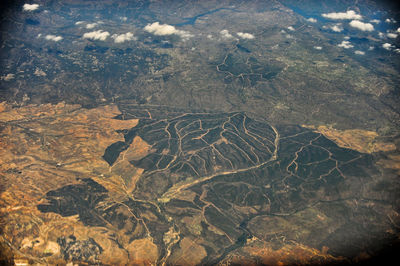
(364, 141)
(48, 147)
(258, 252)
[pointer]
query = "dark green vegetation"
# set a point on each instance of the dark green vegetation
(246, 178)
(278, 75)
(248, 70)
(88, 201)
(229, 160)
(77, 199)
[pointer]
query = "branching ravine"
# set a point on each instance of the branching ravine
(178, 188)
(191, 149)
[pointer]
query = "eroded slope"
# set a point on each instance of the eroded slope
(185, 188)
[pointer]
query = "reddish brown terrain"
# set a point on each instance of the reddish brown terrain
(50, 146)
(62, 201)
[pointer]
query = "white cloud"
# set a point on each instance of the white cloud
(337, 28)
(120, 38)
(30, 7)
(350, 14)
(96, 35)
(371, 48)
(346, 37)
(91, 25)
(397, 50)
(398, 30)
(164, 29)
(124, 18)
(359, 52)
(390, 20)
(290, 28)
(317, 47)
(361, 25)
(226, 34)
(160, 29)
(245, 35)
(209, 36)
(8, 77)
(387, 46)
(79, 22)
(346, 45)
(381, 35)
(376, 21)
(392, 35)
(312, 20)
(53, 38)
